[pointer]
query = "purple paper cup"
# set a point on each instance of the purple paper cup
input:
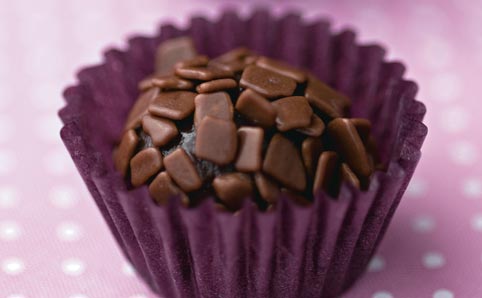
(292, 251)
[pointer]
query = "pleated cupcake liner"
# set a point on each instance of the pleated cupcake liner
(292, 251)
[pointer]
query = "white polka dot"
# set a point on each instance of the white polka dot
(69, 231)
(416, 188)
(472, 188)
(78, 296)
(127, 269)
(443, 293)
(48, 128)
(16, 296)
(463, 153)
(433, 260)
(63, 197)
(7, 162)
(477, 222)
(6, 128)
(454, 119)
(445, 87)
(436, 52)
(382, 294)
(377, 264)
(9, 230)
(423, 224)
(73, 267)
(13, 266)
(8, 197)
(58, 162)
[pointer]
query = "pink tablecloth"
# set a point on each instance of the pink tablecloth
(53, 242)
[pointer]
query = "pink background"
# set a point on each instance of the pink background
(53, 242)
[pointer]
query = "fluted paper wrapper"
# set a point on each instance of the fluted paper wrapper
(293, 251)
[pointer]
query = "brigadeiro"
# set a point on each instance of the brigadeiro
(258, 157)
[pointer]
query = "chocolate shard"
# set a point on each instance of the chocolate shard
(256, 108)
(325, 99)
(315, 129)
(268, 83)
(175, 105)
(311, 149)
(165, 82)
(250, 146)
(216, 141)
(350, 146)
(326, 177)
(139, 110)
(232, 189)
(282, 68)
(203, 73)
(197, 61)
(125, 151)
(283, 162)
(216, 85)
(161, 131)
(292, 112)
(217, 105)
(173, 51)
(162, 188)
(181, 169)
(267, 188)
(348, 175)
(144, 165)
(363, 127)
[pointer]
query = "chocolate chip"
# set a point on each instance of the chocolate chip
(325, 177)
(267, 188)
(266, 82)
(203, 73)
(327, 100)
(166, 82)
(162, 188)
(234, 60)
(256, 108)
(144, 165)
(216, 85)
(351, 147)
(161, 131)
(139, 110)
(250, 145)
(282, 68)
(293, 112)
(232, 189)
(283, 162)
(175, 105)
(235, 54)
(173, 51)
(125, 151)
(363, 127)
(216, 141)
(200, 60)
(182, 170)
(217, 105)
(315, 129)
(348, 175)
(311, 149)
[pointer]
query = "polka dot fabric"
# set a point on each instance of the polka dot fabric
(53, 242)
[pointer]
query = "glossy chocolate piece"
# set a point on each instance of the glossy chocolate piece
(235, 60)
(268, 83)
(363, 127)
(282, 68)
(125, 151)
(216, 141)
(326, 173)
(162, 188)
(161, 131)
(250, 146)
(283, 162)
(144, 165)
(139, 109)
(311, 149)
(181, 169)
(217, 105)
(173, 51)
(165, 82)
(256, 108)
(197, 61)
(292, 112)
(216, 85)
(175, 105)
(315, 129)
(232, 189)
(324, 98)
(267, 188)
(348, 175)
(203, 73)
(350, 146)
